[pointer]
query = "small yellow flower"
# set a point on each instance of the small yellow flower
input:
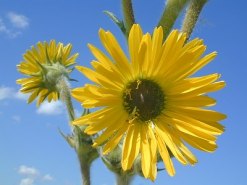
(152, 100)
(44, 65)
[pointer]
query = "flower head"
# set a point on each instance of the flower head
(151, 100)
(44, 66)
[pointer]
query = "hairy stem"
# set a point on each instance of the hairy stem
(85, 171)
(64, 89)
(128, 13)
(123, 179)
(192, 14)
(170, 14)
(63, 86)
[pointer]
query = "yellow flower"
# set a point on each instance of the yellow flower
(44, 65)
(152, 100)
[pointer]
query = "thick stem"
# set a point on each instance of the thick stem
(123, 179)
(191, 17)
(64, 89)
(128, 13)
(63, 86)
(171, 12)
(85, 171)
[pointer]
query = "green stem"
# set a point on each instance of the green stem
(171, 12)
(123, 179)
(63, 86)
(192, 14)
(64, 89)
(85, 171)
(129, 18)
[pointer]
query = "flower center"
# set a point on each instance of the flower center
(144, 99)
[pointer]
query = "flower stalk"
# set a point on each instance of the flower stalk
(123, 179)
(85, 152)
(82, 143)
(63, 87)
(170, 14)
(192, 14)
(128, 13)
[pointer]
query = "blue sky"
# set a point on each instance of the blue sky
(31, 150)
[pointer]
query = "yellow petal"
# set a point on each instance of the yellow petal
(197, 101)
(113, 142)
(98, 78)
(106, 120)
(198, 65)
(131, 146)
(145, 152)
(66, 52)
(108, 72)
(134, 41)
(33, 95)
(167, 138)
(112, 46)
(91, 116)
(165, 156)
(190, 84)
(153, 152)
(198, 143)
(42, 96)
(156, 50)
(191, 126)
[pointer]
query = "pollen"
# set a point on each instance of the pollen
(145, 98)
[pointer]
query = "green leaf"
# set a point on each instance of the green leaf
(83, 145)
(69, 139)
(117, 21)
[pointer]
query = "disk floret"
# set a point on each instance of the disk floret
(144, 98)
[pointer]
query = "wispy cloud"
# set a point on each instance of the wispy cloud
(27, 181)
(32, 175)
(21, 96)
(47, 177)
(18, 20)
(52, 108)
(13, 24)
(5, 92)
(29, 171)
(11, 93)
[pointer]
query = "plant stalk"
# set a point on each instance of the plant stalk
(123, 179)
(64, 89)
(170, 14)
(191, 17)
(85, 171)
(128, 13)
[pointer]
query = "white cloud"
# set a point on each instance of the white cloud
(52, 108)
(3, 28)
(18, 20)
(21, 96)
(29, 171)
(7, 31)
(27, 181)
(47, 177)
(6, 92)
(11, 93)
(19, 23)
(31, 176)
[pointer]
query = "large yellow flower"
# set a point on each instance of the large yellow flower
(152, 100)
(44, 66)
